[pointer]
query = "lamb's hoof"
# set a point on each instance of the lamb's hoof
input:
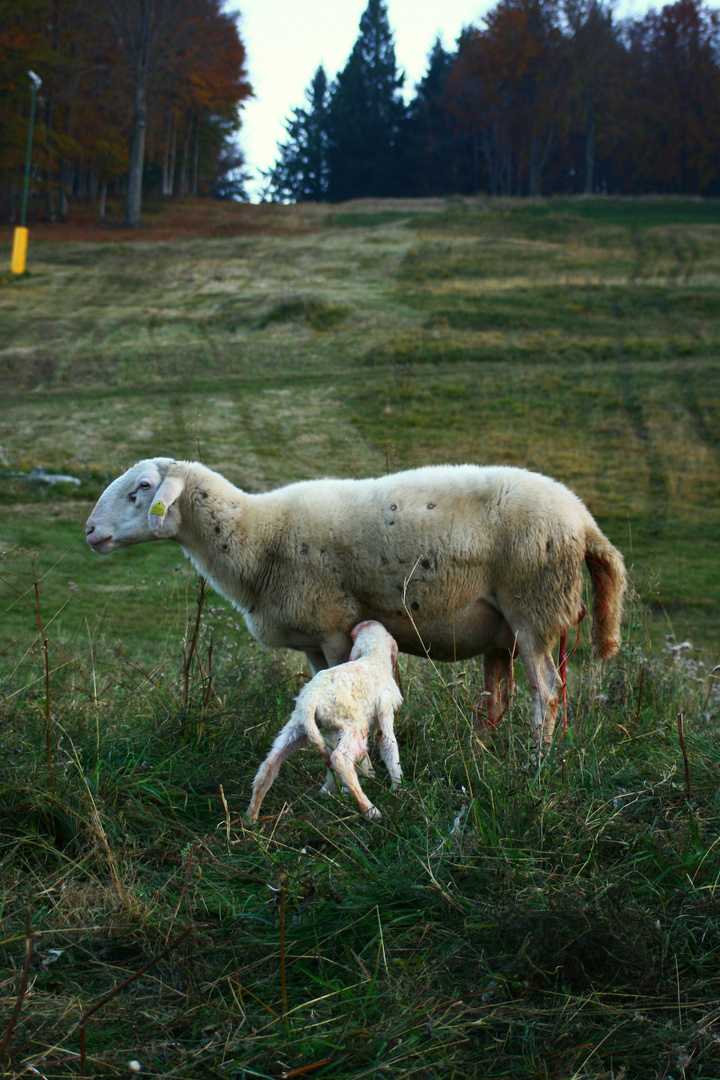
(372, 813)
(329, 788)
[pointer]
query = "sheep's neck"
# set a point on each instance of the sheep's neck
(219, 534)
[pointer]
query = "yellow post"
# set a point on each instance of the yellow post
(19, 250)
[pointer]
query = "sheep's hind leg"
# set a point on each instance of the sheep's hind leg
(545, 687)
(330, 786)
(388, 747)
(343, 760)
(291, 738)
(499, 686)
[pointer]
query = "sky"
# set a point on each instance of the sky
(286, 41)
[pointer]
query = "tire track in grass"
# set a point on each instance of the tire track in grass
(658, 483)
(706, 433)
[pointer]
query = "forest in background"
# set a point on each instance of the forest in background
(136, 95)
(546, 97)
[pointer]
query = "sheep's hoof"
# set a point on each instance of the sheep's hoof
(372, 813)
(329, 788)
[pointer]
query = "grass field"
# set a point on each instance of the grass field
(504, 919)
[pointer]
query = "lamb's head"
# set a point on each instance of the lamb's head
(140, 505)
(372, 637)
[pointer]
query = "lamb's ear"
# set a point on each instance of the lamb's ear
(169, 491)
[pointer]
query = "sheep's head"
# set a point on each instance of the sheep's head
(138, 506)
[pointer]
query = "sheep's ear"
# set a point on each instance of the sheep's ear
(169, 491)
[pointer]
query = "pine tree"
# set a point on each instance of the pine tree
(427, 144)
(301, 171)
(365, 114)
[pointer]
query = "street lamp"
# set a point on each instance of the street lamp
(20, 236)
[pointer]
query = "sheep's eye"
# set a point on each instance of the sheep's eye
(145, 485)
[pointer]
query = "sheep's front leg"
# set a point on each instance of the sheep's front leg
(316, 660)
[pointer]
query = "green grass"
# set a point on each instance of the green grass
(502, 920)
(578, 337)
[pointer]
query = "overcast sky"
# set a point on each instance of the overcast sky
(286, 40)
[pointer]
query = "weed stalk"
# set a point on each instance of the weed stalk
(639, 697)
(683, 748)
(283, 973)
(189, 651)
(46, 652)
(21, 992)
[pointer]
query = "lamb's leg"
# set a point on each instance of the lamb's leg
(499, 686)
(364, 765)
(330, 786)
(344, 757)
(291, 738)
(388, 747)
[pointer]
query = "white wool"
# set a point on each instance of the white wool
(336, 712)
(455, 561)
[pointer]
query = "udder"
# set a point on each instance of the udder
(469, 631)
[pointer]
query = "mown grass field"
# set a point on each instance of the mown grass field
(503, 919)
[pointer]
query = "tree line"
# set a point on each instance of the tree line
(547, 96)
(136, 94)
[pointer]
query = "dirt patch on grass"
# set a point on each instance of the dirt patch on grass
(172, 220)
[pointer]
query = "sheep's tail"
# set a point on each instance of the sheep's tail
(608, 583)
(304, 714)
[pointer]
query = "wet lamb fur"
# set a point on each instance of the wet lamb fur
(455, 561)
(348, 702)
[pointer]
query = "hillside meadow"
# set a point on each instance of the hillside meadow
(507, 917)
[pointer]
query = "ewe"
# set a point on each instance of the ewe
(347, 702)
(455, 561)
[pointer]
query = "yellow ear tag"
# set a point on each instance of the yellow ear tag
(158, 509)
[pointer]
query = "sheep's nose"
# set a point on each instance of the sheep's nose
(89, 529)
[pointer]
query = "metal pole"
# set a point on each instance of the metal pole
(18, 256)
(36, 83)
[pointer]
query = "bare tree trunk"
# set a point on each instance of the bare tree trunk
(137, 157)
(590, 154)
(65, 181)
(49, 200)
(103, 197)
(173, 155)
(169, 155)
(185, 166)
(10, 195)
(196, 154)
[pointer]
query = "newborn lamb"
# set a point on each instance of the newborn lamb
(347, 702)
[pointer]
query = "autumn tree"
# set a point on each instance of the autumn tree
(594, 66)
(672, 119)
(23, 46)
(508, 88)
